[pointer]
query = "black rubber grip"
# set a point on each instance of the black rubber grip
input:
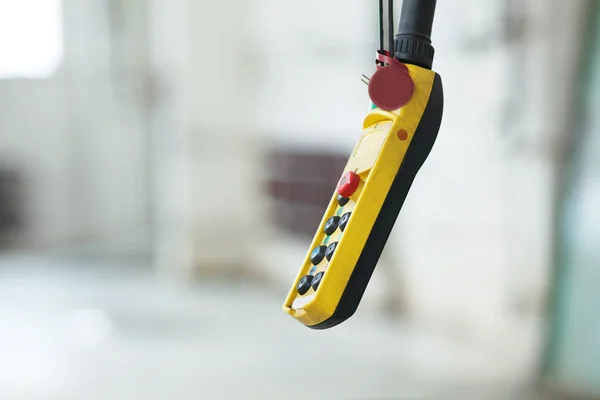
(416, 18)
(412, 43)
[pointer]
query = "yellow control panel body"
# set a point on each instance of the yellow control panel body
(354, 229)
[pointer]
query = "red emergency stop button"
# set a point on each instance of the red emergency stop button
(348, 184)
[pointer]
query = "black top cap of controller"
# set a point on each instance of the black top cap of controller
(412, 43)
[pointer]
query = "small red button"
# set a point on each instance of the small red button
(348, 184)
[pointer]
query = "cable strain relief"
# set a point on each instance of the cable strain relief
(414, 49)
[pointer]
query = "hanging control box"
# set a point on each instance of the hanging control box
(365, 204)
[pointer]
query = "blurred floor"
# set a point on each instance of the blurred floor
(111, 330)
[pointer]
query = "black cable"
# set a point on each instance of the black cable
(416, 18)
(391, 25)
(381, 30)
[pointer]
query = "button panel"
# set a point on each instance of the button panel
(348, 192)
(323, 253)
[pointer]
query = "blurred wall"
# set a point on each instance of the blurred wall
(573, 350)
(205, 193)
(35, 147)
(78, 136)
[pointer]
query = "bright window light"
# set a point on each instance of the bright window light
(31, 38)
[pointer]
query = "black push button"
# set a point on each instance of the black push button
(342, 201)
(344, 221)
(330, 250)
(331, 225)
(317, 280)
(304, 284)
(318, 254)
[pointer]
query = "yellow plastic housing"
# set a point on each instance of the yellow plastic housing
(377, 158)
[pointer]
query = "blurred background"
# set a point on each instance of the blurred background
(164, 164)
